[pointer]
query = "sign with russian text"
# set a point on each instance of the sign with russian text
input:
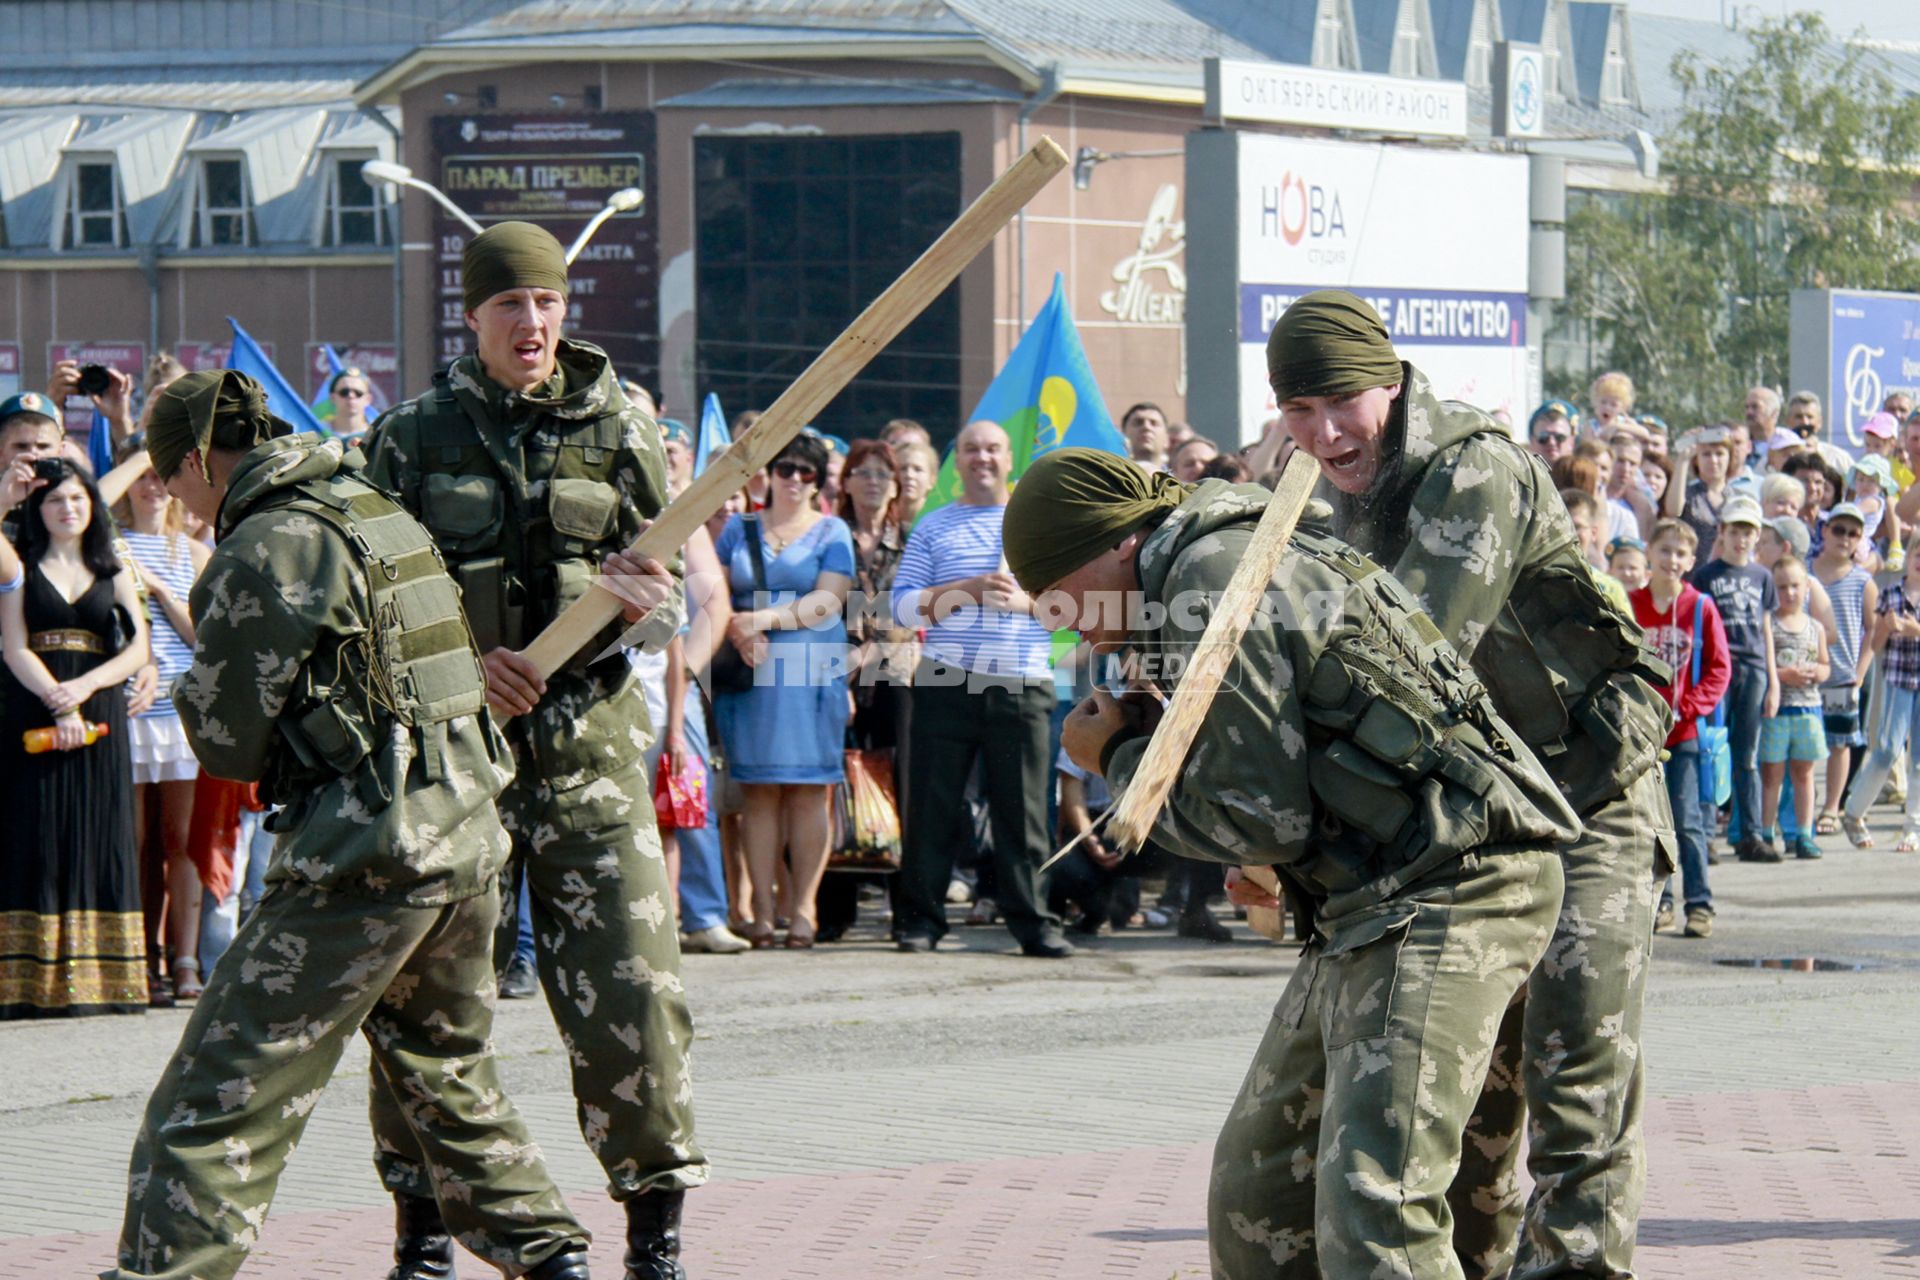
(200, 357)
(1435, 241)
(1285, 93)
(556, 170)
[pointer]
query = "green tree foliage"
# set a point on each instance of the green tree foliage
(1794, 170)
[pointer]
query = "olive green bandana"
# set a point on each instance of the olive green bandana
(1329, 343)
(1074, 504)
(187, 409)
(511, 255)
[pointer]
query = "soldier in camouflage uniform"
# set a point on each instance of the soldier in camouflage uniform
(532, 471)
(1349, 747)
(1471, 523)
(332, 666)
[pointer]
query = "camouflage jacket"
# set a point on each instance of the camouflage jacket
(1471, 523)
(493, 492)
(282, 597)
(1290, 765)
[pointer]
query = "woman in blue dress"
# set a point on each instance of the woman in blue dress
(786, 735)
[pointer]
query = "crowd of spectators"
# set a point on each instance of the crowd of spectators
(837, 624)
(1770, 568)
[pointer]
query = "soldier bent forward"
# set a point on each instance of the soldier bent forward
(333, 666)
(1351, 748)
(1470, 522)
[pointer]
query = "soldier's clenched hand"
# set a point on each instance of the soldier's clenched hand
(514, 684)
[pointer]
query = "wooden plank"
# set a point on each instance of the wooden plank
(825, 378)
(1173, 739)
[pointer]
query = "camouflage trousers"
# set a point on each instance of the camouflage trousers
(1569, 1054)
(609, 957)
(306, 971)
(1336, 1157)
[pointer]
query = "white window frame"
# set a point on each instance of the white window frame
(1479, 70)
(1613, 74)
(1329, 35)
(73, 237)
(201, 229)
(332, 210)
(1407, 40)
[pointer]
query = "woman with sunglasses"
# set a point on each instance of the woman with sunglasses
(883, 655)
(352, 395)
(786, 735)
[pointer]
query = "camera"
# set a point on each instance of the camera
(94, 380)
(52, 470)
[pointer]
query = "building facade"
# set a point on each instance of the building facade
(795, 157)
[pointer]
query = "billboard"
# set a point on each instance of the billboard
(1854, 347)
(556, 170)
(1435, 241)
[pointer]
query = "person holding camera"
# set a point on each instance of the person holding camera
(110, 390)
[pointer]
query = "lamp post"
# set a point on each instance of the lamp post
(398, 175)
(625, 200)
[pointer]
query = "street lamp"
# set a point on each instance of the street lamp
(398, 175)
(625, 200)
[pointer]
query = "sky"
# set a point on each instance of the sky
(1886, 19)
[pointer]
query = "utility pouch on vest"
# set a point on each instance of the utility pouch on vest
(1361, 791)
(465, 513)
(337, 736)
(582, 512)
(1626, 725)
(485, 594)
(1522, 687)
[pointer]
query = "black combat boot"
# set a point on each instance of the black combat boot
(653, 1236)
(422, 1249)
(569, 1264)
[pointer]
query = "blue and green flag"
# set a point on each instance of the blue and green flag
(1044, 397)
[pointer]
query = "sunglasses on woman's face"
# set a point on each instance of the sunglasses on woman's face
(794, 471)
(353, 393)
(871, 473)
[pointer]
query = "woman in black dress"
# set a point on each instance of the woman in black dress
(71, 939)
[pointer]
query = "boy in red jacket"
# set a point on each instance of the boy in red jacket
(1672, 611)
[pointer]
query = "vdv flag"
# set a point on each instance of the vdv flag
(246, 357)
(714, 436)
(1044, 397)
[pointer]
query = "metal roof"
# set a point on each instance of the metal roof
(1453, 32)
(801, 94)
(145, 148)
(277, 147)
(286, 152)
(29, 156)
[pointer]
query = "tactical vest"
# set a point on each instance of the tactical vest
(415, 666)
(1570, 672)
(1409, 764)
(522, 526)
